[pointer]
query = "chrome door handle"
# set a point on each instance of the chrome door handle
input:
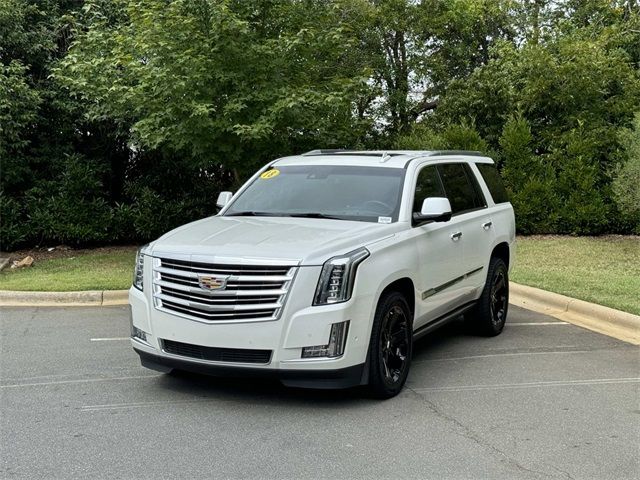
(456, 236)
(487, 225)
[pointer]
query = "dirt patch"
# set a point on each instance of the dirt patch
(63, 251)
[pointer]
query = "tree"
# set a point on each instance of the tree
(120, 119)
(43, 134)
(574, 87)
(220, 82)
(415, 49)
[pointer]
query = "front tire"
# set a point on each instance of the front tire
(391, 346)
(489, 315)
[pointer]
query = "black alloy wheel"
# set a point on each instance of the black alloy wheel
(394, 344)
(391, 345)
(489, 314)
(499, 297)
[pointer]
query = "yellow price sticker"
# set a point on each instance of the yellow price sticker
(274, 172)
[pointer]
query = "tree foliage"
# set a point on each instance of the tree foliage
(220, 82)
(120, 119)
(626, 184)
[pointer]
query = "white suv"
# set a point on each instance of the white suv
(324, 267)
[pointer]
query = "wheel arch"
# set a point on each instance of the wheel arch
(405, 286)
(502, 252)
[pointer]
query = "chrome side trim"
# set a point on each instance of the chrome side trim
(432, 291)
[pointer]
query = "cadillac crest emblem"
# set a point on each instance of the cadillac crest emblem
(213, 282)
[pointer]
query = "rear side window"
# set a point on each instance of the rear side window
(493, 180)
(461, 187)
(427, 185)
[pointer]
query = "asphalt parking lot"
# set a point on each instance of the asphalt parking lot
(543, 400)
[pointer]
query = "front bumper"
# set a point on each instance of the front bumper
(329, 379)
(300, 325)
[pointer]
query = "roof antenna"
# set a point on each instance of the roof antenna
(385, 157)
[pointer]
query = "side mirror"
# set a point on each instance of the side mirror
(434, 209)
(223, 199)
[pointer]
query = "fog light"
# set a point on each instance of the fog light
(335, 347)
(137, 333)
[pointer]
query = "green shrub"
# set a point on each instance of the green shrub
(530, 179)
(460, 136)
(14, 227)
(582, 209)
(420, 137)
(463, 136)
(72, 208)
(626, 184)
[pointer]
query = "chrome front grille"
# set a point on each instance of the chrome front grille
(241, 293)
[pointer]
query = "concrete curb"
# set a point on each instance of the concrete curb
(95, 298)
(608, 321)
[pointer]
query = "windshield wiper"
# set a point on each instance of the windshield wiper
(250, 213)
(314, 215)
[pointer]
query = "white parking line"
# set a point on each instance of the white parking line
(522, 324)
(86, 380)
(504, 386)
(110, 339)
(117, 406)
(489, 355)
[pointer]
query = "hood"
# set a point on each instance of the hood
(307, 241)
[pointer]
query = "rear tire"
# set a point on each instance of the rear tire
(489, 315)
(390, 346)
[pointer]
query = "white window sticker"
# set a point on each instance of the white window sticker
(384, 219)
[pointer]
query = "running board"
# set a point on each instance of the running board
(440, 321)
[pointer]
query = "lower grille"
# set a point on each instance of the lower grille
(215, 354)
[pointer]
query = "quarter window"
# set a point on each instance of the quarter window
(461, 188)
(494, 183)
(427, 185)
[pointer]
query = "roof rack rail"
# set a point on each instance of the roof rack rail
(473, 153)
(385, 154)
(326, 151)
(391, 153)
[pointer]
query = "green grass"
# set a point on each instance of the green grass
(603, 270)
(86, 271)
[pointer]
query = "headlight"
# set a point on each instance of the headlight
(337, 277)
(138, 272)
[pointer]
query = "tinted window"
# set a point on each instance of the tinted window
(460, 187)
(494, 182)
(369, 194)
(427, 185)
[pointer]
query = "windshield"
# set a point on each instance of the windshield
(368, 194)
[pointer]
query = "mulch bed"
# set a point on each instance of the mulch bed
(63, 251)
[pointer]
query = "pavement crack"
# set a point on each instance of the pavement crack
(469, 434)
(567, 474)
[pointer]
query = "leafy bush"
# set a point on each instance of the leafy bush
(14, 226)
(71, 208)
(582, 209)
(529, 179)
(462, 136)
(626, 184)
